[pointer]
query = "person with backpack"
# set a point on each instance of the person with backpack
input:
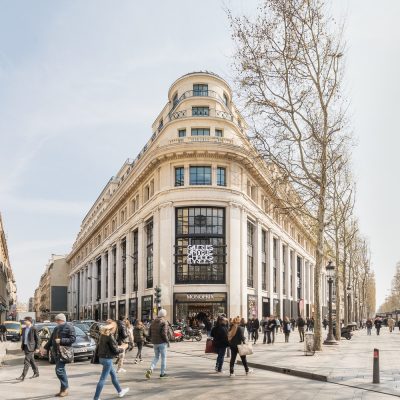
(139, 339)
(107, 350)
(286, 328)
(158, 334)
(300, 326)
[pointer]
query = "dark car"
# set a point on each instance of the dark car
(83, 346)
(94, 330)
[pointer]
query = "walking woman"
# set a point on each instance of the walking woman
(236, 337)
(138, 337)
(286, 328)
(220, 336)
(108, 349)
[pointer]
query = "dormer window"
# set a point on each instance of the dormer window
(200, 89)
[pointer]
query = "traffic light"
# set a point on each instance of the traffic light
(157, 292)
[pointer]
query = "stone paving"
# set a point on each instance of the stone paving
(192, 376)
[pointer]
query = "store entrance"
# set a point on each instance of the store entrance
(189, 305)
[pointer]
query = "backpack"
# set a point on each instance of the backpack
(122, 332)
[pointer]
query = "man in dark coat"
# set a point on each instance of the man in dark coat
(29, 344)
(63, 335)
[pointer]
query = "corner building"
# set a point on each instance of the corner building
(192, 214)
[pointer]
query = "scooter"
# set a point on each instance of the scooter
(190, 333)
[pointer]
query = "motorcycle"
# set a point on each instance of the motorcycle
(177, 333)
(190, 334)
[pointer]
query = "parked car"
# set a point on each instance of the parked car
(83, 326)
(94, 330)
(83, 346)
(14, 330)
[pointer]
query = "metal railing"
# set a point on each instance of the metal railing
(197, 93)
(192, 139)
(212, 112)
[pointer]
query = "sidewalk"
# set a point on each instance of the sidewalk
(347, 364)
(7, 349)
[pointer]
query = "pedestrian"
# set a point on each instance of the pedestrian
(271, 327)
(236, 337)
(312, 323)
(300, 326)
(158, 333)
(256, 327)
(139, 339)
(249, 327)
(220, 337)
(286, 329)
(207, 325)
(264, 324)
(107, 349)
(63, 335)
(369, 324)
(3, 331)
(29, 344)
(129, 329)
(123, 341)
(378, 325)
(325, 323)
(277, 325)
(391, 323)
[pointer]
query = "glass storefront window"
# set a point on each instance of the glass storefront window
(200, 250)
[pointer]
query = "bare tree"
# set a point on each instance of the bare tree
(289, 75)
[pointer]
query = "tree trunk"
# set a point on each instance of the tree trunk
(337, 283)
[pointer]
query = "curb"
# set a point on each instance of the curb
(288, 371)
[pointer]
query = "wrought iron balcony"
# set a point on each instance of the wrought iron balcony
(197, 93)
(211, 112)
(197, 139)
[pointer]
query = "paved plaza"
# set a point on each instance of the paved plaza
(347, 367)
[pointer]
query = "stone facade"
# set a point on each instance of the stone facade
(194, 215)
(8, 288)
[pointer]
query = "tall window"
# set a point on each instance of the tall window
(123, 256)
(299, 283)
(219, 133)
(250, 255)
(175, 99)
(200, 111)
(106, 273)
(179, 176)
(264, 259)
(135, 259)
(225, 99)
(200, 132)
(200, 250)
(221, 176)
(114, 270)
(200, 175)
(98, 267)
(275, 266)
(181, 133)
(284, 262)
(200, 89)
(149, 253)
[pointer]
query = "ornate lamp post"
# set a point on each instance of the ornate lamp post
(330, 272)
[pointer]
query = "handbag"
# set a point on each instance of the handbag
(66, 354)
(210, 346)
(245, 349)
(95, 356)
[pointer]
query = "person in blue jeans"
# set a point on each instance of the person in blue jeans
(158, 334)
(108, 349)
(63, 335)
(219, 333)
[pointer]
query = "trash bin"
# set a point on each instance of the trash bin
(309, 348)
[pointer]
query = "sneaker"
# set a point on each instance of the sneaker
(123, 392)
(148, 373)
(135, 361)
(250, 371)
(220, 372)
(121, 370)
(231, 375)
(163, 376)
(141, 360)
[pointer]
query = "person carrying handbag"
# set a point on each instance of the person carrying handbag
(60, 344)
(236, 337)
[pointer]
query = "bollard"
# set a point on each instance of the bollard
(375, 376)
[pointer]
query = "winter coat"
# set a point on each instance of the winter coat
(158, 331)
(65, 332)
(108, 347)
(138, 334)
(220, 335)
(286, 326)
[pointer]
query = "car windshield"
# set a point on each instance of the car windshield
(12, 325)
(79, 331)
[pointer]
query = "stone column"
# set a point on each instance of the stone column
(258, 266)
(243, 261)
(141, 265)
(270, 283)
(129, 264)
(103, 276)
(280, 277)
(119, 274)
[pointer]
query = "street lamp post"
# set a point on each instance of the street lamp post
(330, 271)
(349, 292)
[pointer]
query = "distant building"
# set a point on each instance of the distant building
(8, 288)
(31, 304)
(51, 295)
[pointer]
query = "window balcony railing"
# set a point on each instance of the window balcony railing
(197, 93)
(212, 112)
(192, 139)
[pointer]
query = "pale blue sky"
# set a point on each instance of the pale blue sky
(82, 81)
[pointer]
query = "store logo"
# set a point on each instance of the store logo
(200, 254)
(200, 296)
